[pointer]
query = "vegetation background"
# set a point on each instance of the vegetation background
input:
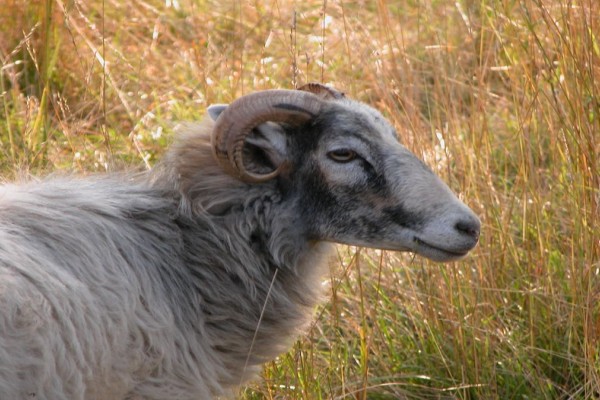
(500, 97)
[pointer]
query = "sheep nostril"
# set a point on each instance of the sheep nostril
(470, 227)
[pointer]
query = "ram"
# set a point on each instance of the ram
(181, 282)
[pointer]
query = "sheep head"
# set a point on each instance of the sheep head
(341, 166)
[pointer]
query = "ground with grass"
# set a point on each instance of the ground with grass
(500, 97)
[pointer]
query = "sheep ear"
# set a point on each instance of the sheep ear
(270, 145)
(214, 110)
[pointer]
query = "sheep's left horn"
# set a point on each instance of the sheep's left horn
(237, 121)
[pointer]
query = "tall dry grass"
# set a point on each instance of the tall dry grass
(500, 97)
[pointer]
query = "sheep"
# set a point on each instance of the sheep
(180, 282)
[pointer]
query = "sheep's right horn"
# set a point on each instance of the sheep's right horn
(323, 91)
(237, 121)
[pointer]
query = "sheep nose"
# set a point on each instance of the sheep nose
(469, 226)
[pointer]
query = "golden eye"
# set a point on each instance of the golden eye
(342, 155)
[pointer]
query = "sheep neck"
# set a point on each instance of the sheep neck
(258, 285)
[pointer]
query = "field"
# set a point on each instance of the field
(500, 97)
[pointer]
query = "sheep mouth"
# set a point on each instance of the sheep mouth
(437, 253)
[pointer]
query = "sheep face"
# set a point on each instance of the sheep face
(356, 184)
(351, 181)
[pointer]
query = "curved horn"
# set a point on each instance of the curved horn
(324, 91)
(244, 114)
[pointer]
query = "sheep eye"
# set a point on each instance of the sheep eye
(342, 155)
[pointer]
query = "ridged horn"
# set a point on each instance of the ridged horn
(323, 91)
(237, 121)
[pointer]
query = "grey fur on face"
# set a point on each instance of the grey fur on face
(180, 283)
